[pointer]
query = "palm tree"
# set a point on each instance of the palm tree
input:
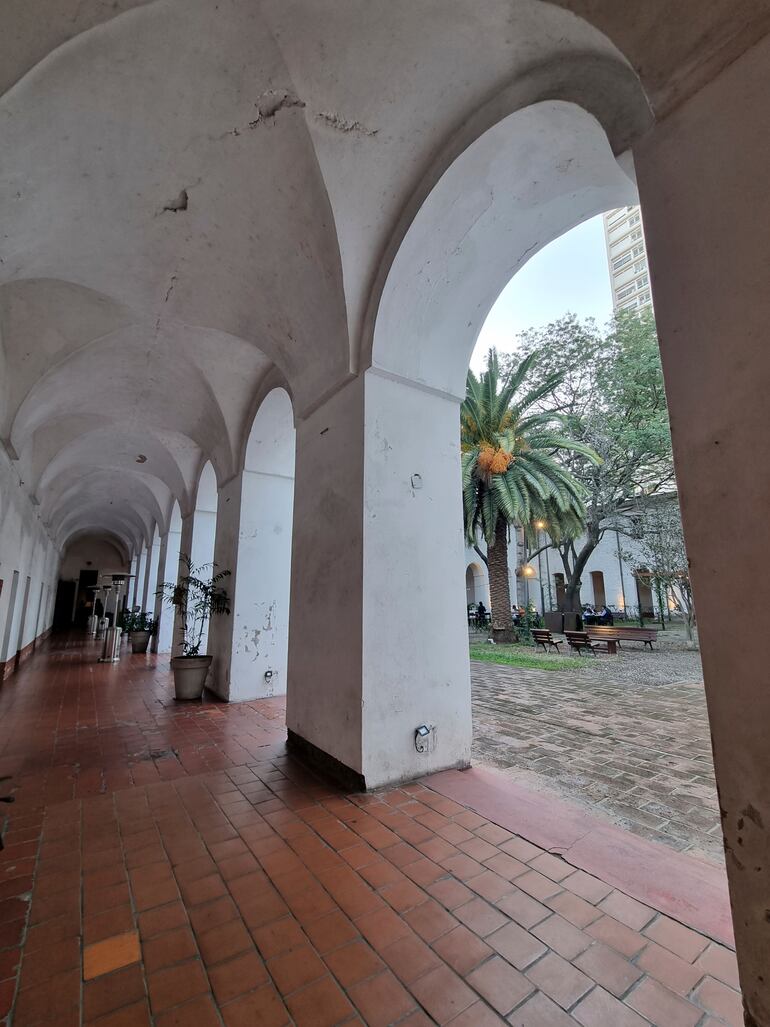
(510, 472)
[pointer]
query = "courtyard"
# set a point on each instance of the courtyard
(626, 737)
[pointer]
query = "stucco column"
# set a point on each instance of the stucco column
(156, 601)
(151, 574)
(703, 177)
(253, 541)
(204, 534)
(168, 569)
(378, 642)
(141, 577)
(134, 585)
(185, 548)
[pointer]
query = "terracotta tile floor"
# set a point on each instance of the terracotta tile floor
(172, 866)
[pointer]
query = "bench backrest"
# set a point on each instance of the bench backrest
(605, 631)
(541, 633)
(578, 636)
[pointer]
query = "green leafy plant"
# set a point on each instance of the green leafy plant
(510, 470)
(196, 597)
(136, 620)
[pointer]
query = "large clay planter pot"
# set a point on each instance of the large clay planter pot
(190, 676)
(139, 641)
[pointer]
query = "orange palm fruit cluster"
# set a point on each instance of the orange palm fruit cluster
(494, 460)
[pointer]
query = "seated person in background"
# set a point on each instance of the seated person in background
(589, 613)
(481, 613)
(605, 617)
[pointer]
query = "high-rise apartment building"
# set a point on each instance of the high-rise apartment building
(627, 258)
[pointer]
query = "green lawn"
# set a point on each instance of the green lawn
(519, 656)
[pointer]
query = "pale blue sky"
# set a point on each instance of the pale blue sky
(570, 275)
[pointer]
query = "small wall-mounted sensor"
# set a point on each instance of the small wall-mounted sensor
(425, 738)
(416, 481)
(268, 675)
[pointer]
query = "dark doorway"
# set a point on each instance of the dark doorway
(558, 580)
(85, 599)
(597, 580)
(65, 600)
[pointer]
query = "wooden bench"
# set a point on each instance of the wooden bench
(613, 636)
(580, 640)
(544, 638)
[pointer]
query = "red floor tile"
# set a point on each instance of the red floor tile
(255, 893)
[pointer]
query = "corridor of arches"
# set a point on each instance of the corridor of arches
(247, 251)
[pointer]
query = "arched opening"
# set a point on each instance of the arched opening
(205, 529)
(263, 567)
(164, 638)
(532, 176)
(87, 557)
(476, 585)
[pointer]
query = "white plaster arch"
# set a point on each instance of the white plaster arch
(108, 486)
(204, 529)
(126, 447)
(525, 181)
(476, 584)
(205, 265)
(62, 317)
(270, 445)
(206, 492)
(254, 540)
(102, 534)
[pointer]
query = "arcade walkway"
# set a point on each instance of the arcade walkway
(170, 865)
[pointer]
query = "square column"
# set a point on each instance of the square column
(703, 178)
(253, 541)
(378, 641)
(185, 547)
(158, 606)
(151, 575)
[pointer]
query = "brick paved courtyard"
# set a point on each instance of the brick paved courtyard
(637, 754)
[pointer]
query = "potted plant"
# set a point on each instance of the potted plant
(141, 627)
(196, 597)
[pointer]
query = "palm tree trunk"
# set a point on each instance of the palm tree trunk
(499, 585)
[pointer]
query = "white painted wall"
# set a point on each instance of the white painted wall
(604, 559)
(26, 551)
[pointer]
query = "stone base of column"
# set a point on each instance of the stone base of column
(324, 764)
(327, 766)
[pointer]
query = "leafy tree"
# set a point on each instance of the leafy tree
(662, 558)
(510, 472)
(610, 391)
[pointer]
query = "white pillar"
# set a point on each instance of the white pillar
(156, 601)
(185, 548)
(254, 542)
(204, 534)
(168, 569)
(151, 574)
(378, 643)
(141, 574)
(703, 177)
(133, 580)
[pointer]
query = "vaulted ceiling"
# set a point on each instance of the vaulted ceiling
(198, 194)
